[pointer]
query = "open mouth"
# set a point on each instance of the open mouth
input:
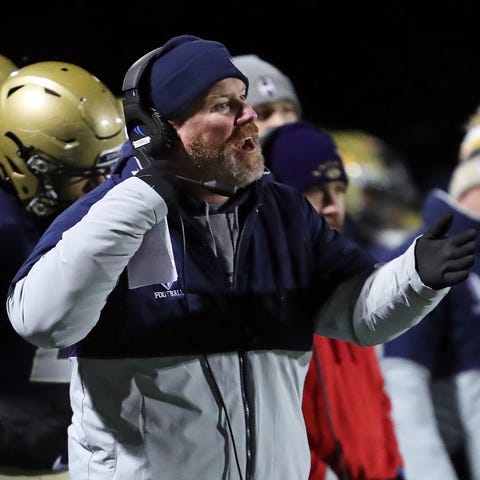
(249, 144)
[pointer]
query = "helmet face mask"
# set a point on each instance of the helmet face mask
(54, 179)
(56, 120)
(41, 164)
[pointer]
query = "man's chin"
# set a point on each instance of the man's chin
(246, 178)
(248, 173)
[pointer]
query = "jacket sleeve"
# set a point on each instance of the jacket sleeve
(468, 388)
(370, 309)
(60, 299)
(421, 445)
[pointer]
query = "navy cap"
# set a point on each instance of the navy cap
(186, 68)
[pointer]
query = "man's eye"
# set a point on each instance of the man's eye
(220, 107)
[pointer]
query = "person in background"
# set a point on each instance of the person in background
(346, 408)
(445, 346)
(61, 130)
(192, 285)
(271, 93)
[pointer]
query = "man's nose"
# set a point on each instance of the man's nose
(247, 114)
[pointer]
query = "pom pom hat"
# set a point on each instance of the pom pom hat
(186, 68)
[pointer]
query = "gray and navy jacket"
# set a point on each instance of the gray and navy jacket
(176, 373)
(444, 347)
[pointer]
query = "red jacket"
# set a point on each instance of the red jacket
(357, 410)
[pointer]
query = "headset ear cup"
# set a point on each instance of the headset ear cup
(150, 133)
(163, 139)
(146, 123)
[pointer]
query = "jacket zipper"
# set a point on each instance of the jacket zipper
(246, 409)
(243, 373)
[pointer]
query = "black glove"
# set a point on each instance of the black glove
(159, 175)
(443, 261)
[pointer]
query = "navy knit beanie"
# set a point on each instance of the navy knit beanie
(186, 68)
(302, 155)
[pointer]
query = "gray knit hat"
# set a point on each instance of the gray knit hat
(267, 83)
(465, 176)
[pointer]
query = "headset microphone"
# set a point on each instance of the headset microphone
(213, 186)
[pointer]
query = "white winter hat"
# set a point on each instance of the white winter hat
(465, 176)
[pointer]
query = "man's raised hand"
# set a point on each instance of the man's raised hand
(441, 260)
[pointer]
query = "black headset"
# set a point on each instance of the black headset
(150, 134)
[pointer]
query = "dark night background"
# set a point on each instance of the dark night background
(411, 77)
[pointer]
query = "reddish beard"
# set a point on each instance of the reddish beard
(221, 163)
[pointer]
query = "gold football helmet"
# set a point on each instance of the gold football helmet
(6, 67)
(56, 119)
(382, 195)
